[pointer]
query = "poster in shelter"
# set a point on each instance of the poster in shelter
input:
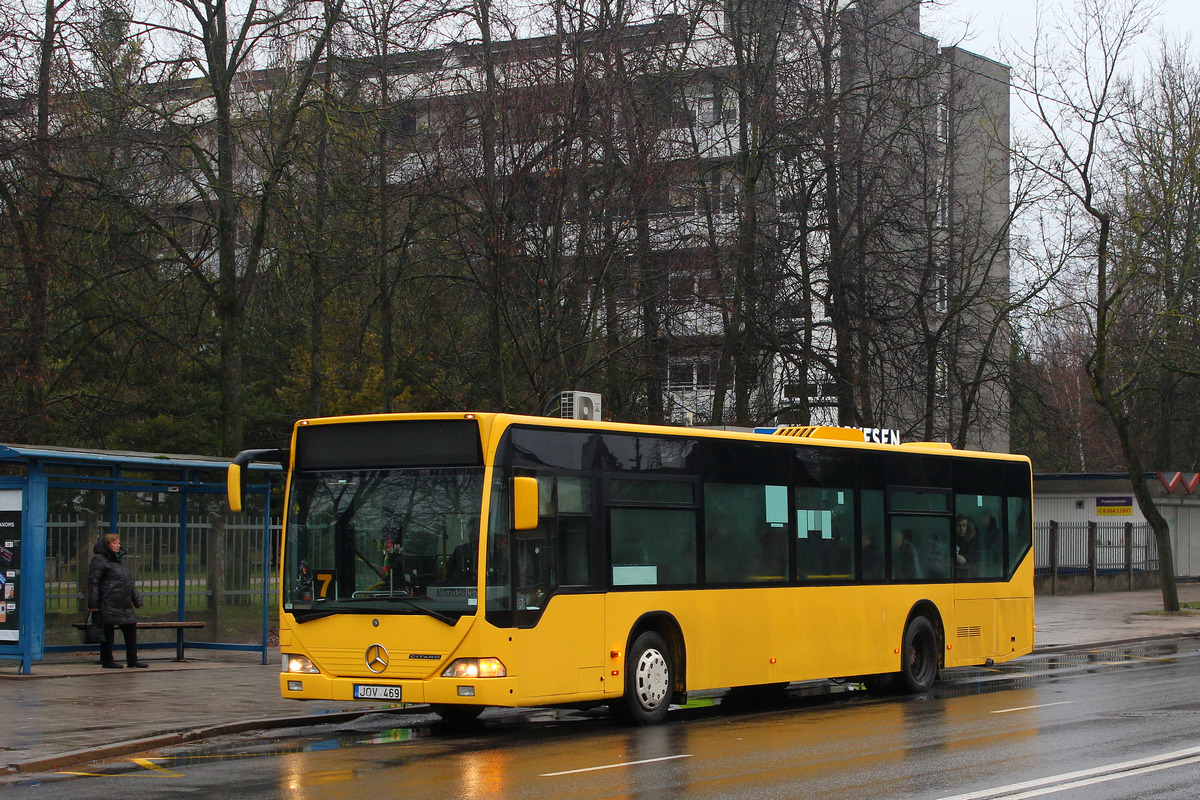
(10, 565)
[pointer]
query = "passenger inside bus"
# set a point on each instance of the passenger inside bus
(967, 556)
(977, 547)
(906, 563)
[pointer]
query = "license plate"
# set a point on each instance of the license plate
(363, 691)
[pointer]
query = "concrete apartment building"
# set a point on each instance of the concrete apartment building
(824, 221)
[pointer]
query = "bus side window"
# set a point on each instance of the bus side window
(573, 504)
(533, 556)
(1019, 540)
(978, 538)
(533, 560)
(745, 533)
(652, 546)
(574, 542)
(872, 535)
(920, 547)
(824, 531)
(557, 552)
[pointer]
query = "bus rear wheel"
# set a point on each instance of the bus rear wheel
(649, 678)
(919, 656)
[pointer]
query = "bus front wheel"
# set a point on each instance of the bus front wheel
(919, 656)
(649, 678)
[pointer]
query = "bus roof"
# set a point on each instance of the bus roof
(817, 434)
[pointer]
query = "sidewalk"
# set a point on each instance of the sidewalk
(72, 711)
(1091, 619)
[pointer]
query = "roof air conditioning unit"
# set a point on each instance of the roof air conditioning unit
(579, 405)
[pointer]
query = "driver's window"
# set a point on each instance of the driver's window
(525, 568)
(533, 553)
(533, 560)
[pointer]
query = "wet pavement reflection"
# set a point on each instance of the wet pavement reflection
(476, 760)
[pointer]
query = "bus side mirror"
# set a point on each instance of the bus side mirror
(525, 504)
(234, 486)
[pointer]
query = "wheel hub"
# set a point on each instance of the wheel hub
(651, 676)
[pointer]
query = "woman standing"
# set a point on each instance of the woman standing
(112, 593)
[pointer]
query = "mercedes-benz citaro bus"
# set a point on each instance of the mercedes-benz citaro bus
(472, 560)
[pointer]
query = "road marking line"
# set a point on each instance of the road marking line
(1110, 769)
(84, 774)
(1031, 708)
(1101, 779)
(150, 765)
(612, 766)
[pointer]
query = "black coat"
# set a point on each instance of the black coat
(110, 586)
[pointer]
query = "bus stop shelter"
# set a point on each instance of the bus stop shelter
(192, 559)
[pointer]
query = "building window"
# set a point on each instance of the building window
(722, 192)
(813, 391)
(715, 108)
(692, 375)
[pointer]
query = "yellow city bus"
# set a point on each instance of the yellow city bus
(472, 560)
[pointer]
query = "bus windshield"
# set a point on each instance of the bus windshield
(402, 541)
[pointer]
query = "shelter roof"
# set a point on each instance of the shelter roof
(82, 455)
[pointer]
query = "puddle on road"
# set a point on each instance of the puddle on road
(392, 736)
(272, 744)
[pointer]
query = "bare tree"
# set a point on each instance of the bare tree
(237, 170)
(1082, 99)
(31, 188)
(1159, 248)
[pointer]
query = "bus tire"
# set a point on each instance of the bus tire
(649, 680)
(919, 656)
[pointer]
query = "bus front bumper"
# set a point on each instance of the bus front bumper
(456, 691)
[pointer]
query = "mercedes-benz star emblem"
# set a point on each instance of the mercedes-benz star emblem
(377, 658)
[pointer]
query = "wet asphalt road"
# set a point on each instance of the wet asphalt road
(1089, 724)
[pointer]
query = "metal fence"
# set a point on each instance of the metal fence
(1065, 548)
(212, 566)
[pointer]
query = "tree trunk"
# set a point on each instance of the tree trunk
(1097, 370)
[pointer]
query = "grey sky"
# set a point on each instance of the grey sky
(990, 27)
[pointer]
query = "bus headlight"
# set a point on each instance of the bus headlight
(475, 668)
(298, 663)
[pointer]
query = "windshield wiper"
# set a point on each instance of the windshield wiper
(349, 605)
(433, 612)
